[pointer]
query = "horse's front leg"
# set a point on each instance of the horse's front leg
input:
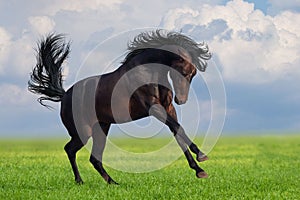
(169, 117)
(176, 128)
(200, 173)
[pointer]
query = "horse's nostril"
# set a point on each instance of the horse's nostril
(179, 101)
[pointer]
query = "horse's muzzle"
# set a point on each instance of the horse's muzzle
(180, 101)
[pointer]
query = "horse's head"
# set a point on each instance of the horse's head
(182, 74)
(186, 56)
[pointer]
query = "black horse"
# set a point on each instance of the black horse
(137, 89)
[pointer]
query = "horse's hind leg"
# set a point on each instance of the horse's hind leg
(99, 140)
(71, 148)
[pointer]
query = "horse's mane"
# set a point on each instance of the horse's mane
(158, 38)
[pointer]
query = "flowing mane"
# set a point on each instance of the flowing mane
(155, 39)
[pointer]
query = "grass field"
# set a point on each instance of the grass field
(258, 167)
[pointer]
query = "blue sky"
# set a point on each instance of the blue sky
(261, 5)
(255, 46)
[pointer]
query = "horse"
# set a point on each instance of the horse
(139, 88)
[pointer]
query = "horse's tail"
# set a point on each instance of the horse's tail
(46, 77)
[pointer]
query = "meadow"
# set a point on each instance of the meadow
(243, 167)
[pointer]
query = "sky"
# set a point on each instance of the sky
(255, 46)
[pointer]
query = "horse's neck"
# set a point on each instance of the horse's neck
(151, 66)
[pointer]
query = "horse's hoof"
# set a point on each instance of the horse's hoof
(202, 174)
(79, 182)
(112, 182)
(201, 158)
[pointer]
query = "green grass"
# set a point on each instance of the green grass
(239, 168)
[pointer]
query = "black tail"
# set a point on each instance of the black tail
(46, 77)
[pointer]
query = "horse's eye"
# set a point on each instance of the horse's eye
(181, 60)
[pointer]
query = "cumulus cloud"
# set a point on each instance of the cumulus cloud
(4, 47)
(53, 7)
(20, 59)
(17, 55)
(41, 24)
(14, 95)
(250, 45)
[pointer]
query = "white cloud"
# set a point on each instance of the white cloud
(22, 56)
(4, 36)
(77, 18)
(179, 16)
(17, 56)
(288, 21)
(251, 46)
(4, 47)
(79, 6)
(41, 24)
(13, 95)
